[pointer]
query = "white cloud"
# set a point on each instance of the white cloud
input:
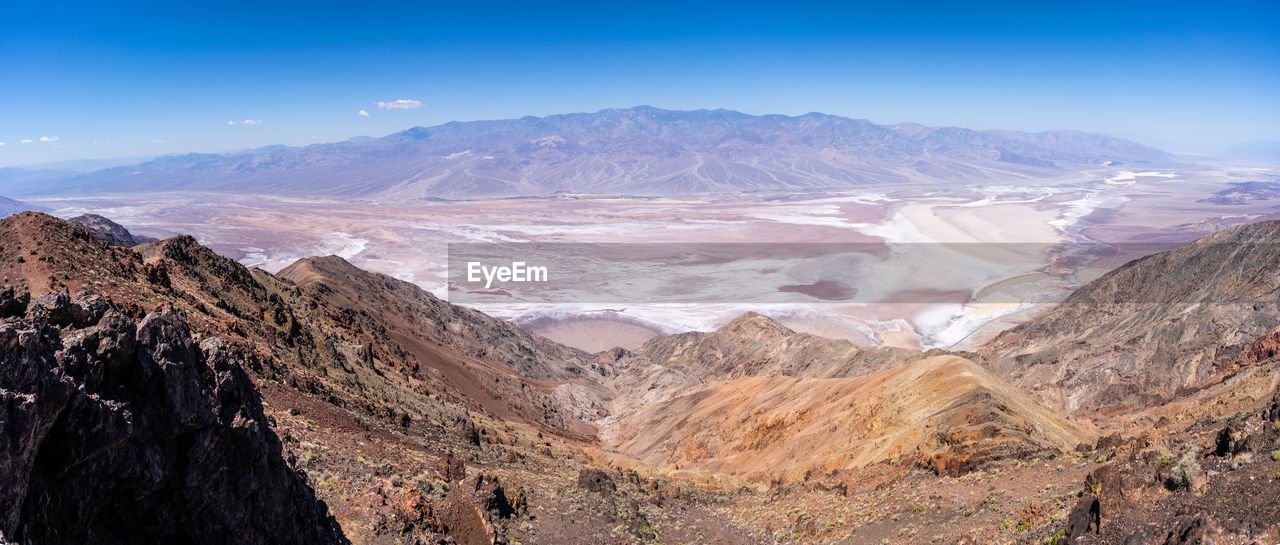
(231, 123)
(47, 139)
(157, 140)
(400, 104)
(244, 122)
(27, 140)
(362, 113)
(2, 144)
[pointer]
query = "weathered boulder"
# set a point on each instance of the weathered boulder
(595, 480)
(13, 301)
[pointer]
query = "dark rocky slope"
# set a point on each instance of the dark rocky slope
(113, 431)
(358, 340)
(109, 231)
(1152, 330)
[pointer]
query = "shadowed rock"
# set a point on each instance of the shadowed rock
(114, 432)
(109, 231)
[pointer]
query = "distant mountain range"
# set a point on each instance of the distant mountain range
(9, 206)
(638, 151)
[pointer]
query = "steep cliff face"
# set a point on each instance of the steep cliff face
(113, 431)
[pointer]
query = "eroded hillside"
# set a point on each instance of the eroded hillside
(1152, 330)
(943, 412)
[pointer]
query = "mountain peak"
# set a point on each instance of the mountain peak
(310, 270)
(109, 231)
(755, 324)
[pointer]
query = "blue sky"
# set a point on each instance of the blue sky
(114, 79)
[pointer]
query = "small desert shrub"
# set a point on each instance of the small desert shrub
(1184, 471)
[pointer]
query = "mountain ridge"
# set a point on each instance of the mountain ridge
(1152, 329)
(641, 150)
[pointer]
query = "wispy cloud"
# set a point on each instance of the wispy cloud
(157, 140)
(233, 123)
(49, 139)
(400, 104)
(27, 140)
(362, 113)
(2, 144)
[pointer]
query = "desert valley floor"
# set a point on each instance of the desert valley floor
(1137, 211)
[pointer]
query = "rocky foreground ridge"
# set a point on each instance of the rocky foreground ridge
(116, 431)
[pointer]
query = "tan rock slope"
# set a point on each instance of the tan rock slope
(943, 412)
(754, 345)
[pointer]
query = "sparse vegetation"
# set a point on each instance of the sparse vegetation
(1184, 473)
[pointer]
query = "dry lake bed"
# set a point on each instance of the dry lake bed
(1014, 232)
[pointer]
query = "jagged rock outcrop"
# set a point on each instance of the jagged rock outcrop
(119, 432)
(478, 511)
(109, 231)
(1085, 519)
(1263, 348)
